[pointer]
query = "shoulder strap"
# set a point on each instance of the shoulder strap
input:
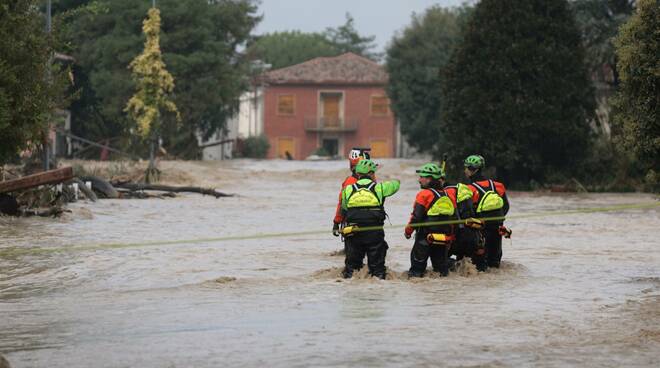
(482, 190)
(492, 185)
(437, 194)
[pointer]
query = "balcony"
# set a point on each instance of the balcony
(338, 125)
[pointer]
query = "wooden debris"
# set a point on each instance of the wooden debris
(166, 188)
(35, 180)
(43, 212)
(127, 194)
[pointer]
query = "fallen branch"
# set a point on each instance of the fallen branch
(166, 188)
(128, 194)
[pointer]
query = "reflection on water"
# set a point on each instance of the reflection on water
(573, 290)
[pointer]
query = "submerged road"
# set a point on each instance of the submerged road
(574, 290)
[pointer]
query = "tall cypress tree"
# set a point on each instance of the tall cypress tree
(517, 90)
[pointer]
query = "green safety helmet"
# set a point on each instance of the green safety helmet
(365, 166)
(475, 162)
(431, 170)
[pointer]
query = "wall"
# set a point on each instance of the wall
(356, 106)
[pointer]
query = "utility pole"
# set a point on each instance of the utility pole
(46, 145)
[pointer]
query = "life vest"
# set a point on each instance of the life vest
(441, 209)
(489, 199)
(364, 206)
(463, 192)
(441, 205)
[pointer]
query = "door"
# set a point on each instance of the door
(331, 146)
(331, 109)
(286, 148)
(380, 148)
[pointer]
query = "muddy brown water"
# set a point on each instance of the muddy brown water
(574, 290)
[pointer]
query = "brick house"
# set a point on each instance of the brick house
(334, 103)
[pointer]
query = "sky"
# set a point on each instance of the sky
(380, 18)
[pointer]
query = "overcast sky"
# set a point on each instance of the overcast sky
(380, 18)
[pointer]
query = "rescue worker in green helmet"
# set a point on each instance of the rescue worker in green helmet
(469, 240)
(363, 208)
(432, 204)
(490, 201)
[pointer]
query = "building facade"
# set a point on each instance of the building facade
(326, 106)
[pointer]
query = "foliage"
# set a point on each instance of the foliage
(281, 49)
(321, 151)
(347, 39)
(200, 42)
(517, 90)
(31, 87)
(255, 147)
(599, 21)
(154, 83)
(636, 103)
(414, 60)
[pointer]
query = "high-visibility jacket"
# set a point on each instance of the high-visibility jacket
(485, 194)
(432, 205)
(363, 201)
(485, 199)
(339, 218)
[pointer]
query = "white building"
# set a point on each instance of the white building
(248, 122)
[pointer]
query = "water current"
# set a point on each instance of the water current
(83, 291)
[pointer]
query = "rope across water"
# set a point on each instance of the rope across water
(292, 234)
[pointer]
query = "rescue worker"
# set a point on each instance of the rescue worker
(490, 201)
(469, 240)
(363, 207)
(356, 155)
(432, 204)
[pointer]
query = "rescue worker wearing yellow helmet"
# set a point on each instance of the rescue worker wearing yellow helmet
(433, 239)
(363, 208)
(490, 202)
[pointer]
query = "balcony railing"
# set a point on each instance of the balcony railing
(323, 124)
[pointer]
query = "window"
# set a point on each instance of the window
(286, 104)
(380, 106)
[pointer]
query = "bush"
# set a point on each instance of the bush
(321, 151)
(255, 147)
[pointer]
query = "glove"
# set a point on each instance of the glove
(408, 232)
(335, 229)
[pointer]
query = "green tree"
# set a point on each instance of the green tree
(200, 41)
(347, 39)
(599, 21)
(414, 60)
(636, 103)
(31, 87)
(517, 90)
(282, 49)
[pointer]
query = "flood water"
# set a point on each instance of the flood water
(96, 289)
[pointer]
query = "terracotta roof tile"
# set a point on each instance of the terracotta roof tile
(347, 68)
